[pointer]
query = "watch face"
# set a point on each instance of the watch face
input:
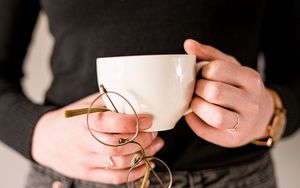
(278, 126)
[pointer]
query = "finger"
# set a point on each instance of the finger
(221, 94)
(112, 122)
(110, 176)
(225, 72)
(233, 74)
(214, 115)
(123, 162)
(225, 138)
(205, 52)
(144, 138)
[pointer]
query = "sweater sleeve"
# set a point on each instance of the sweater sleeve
(281, 47)
(18, 115)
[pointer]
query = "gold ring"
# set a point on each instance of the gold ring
(109, 163)
(236, 124)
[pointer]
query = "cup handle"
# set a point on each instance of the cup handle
(199, 66)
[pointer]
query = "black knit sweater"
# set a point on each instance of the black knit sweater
(85, 30)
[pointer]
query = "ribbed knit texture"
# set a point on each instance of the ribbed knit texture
(85, 30)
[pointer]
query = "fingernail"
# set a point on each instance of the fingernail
(152, 164)
(154, 134)
(159, 145)
(145, 122)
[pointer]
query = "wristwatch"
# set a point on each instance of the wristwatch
(277, 124)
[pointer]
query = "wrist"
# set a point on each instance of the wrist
(269, 112)
(277, 122)
(39, 133)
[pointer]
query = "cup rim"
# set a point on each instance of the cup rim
(145, 56)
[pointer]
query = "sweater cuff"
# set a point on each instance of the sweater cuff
(19, 124)
(291, 104)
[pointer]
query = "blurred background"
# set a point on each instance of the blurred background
(14, 168)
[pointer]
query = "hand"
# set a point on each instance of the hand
(228, 94)
(66, 145)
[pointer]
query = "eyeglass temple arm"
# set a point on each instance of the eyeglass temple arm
(145, 182)
(81, 111)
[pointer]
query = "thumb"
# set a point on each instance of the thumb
(205, 52)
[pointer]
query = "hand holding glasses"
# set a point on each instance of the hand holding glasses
(141, 157)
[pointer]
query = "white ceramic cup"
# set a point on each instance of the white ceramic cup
(159, 85)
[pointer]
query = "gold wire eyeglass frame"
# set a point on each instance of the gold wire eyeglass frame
(141, 156)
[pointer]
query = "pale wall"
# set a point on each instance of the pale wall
(13, 167)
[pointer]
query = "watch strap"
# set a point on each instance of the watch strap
(275, 124)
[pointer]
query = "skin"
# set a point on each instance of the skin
(66, 145)
(228, 90)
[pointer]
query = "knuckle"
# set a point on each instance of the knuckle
(233, 59)
(256, 79)
(213, 92)
(208, 70)
(217, 64)
(219, 119)
(114, 151)
(212, 69)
